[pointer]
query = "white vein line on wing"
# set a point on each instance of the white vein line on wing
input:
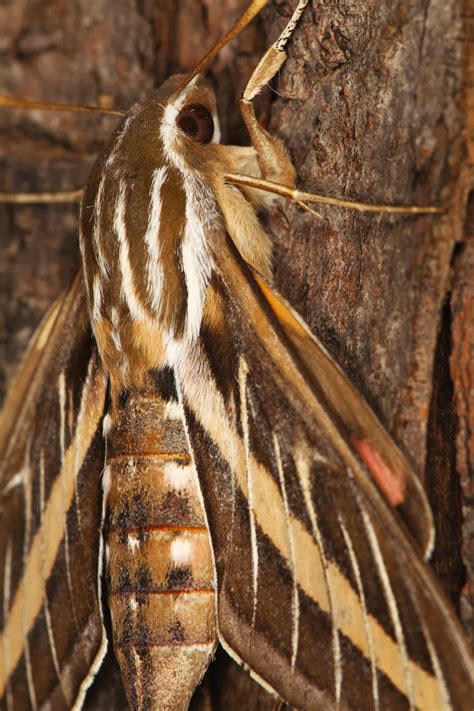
(7, 582)
(367, 625)
(437, 668)
(28, 669)
(295, 602)
(77, 462)
(27, 483)
(391, 602)
(68, 473)
(170, 413)
(243, 370)
(444, 691)
(101, 652)
(47, 613)
(303, 472)
(64, 476)
(154, 266)
(127, 286)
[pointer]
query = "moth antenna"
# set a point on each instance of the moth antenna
(300, 197)
(41, 198)
(48, 106)
(252, 10)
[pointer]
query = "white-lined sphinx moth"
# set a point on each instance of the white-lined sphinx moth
(254, 459)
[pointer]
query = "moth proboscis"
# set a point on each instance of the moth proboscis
(317, 523)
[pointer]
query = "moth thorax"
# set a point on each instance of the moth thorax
(147, 261)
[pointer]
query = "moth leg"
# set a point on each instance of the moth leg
(302, 198)
(273, 159)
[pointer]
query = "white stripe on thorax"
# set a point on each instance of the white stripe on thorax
(154, 266)
(127, 286)
(98, 278)
(200, 211)
(115, 330)
(97, 238)
(96, 231)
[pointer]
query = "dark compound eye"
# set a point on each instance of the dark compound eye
(196, 122)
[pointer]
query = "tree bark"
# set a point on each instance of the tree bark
(371, 107)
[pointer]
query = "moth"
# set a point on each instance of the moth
(250, 495)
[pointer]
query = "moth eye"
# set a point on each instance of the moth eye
(196, 121)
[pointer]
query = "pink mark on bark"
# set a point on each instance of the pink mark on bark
(391, 483)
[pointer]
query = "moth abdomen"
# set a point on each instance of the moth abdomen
(160, 576)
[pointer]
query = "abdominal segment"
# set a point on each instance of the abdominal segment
(159, 568)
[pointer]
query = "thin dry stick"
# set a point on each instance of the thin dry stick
(7, 101)
(39, 198)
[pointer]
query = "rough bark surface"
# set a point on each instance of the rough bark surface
(370, 106)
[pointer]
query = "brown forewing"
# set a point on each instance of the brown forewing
(322, 592)
(50, 500)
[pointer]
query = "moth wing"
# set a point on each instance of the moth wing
(322, 592)
(52, 456)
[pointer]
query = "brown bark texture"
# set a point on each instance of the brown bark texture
(372, 105)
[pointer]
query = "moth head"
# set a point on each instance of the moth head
(169, 130)
(190, 119)
(166, 129)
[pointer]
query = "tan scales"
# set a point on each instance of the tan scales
(310, 555)
(159, 572)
